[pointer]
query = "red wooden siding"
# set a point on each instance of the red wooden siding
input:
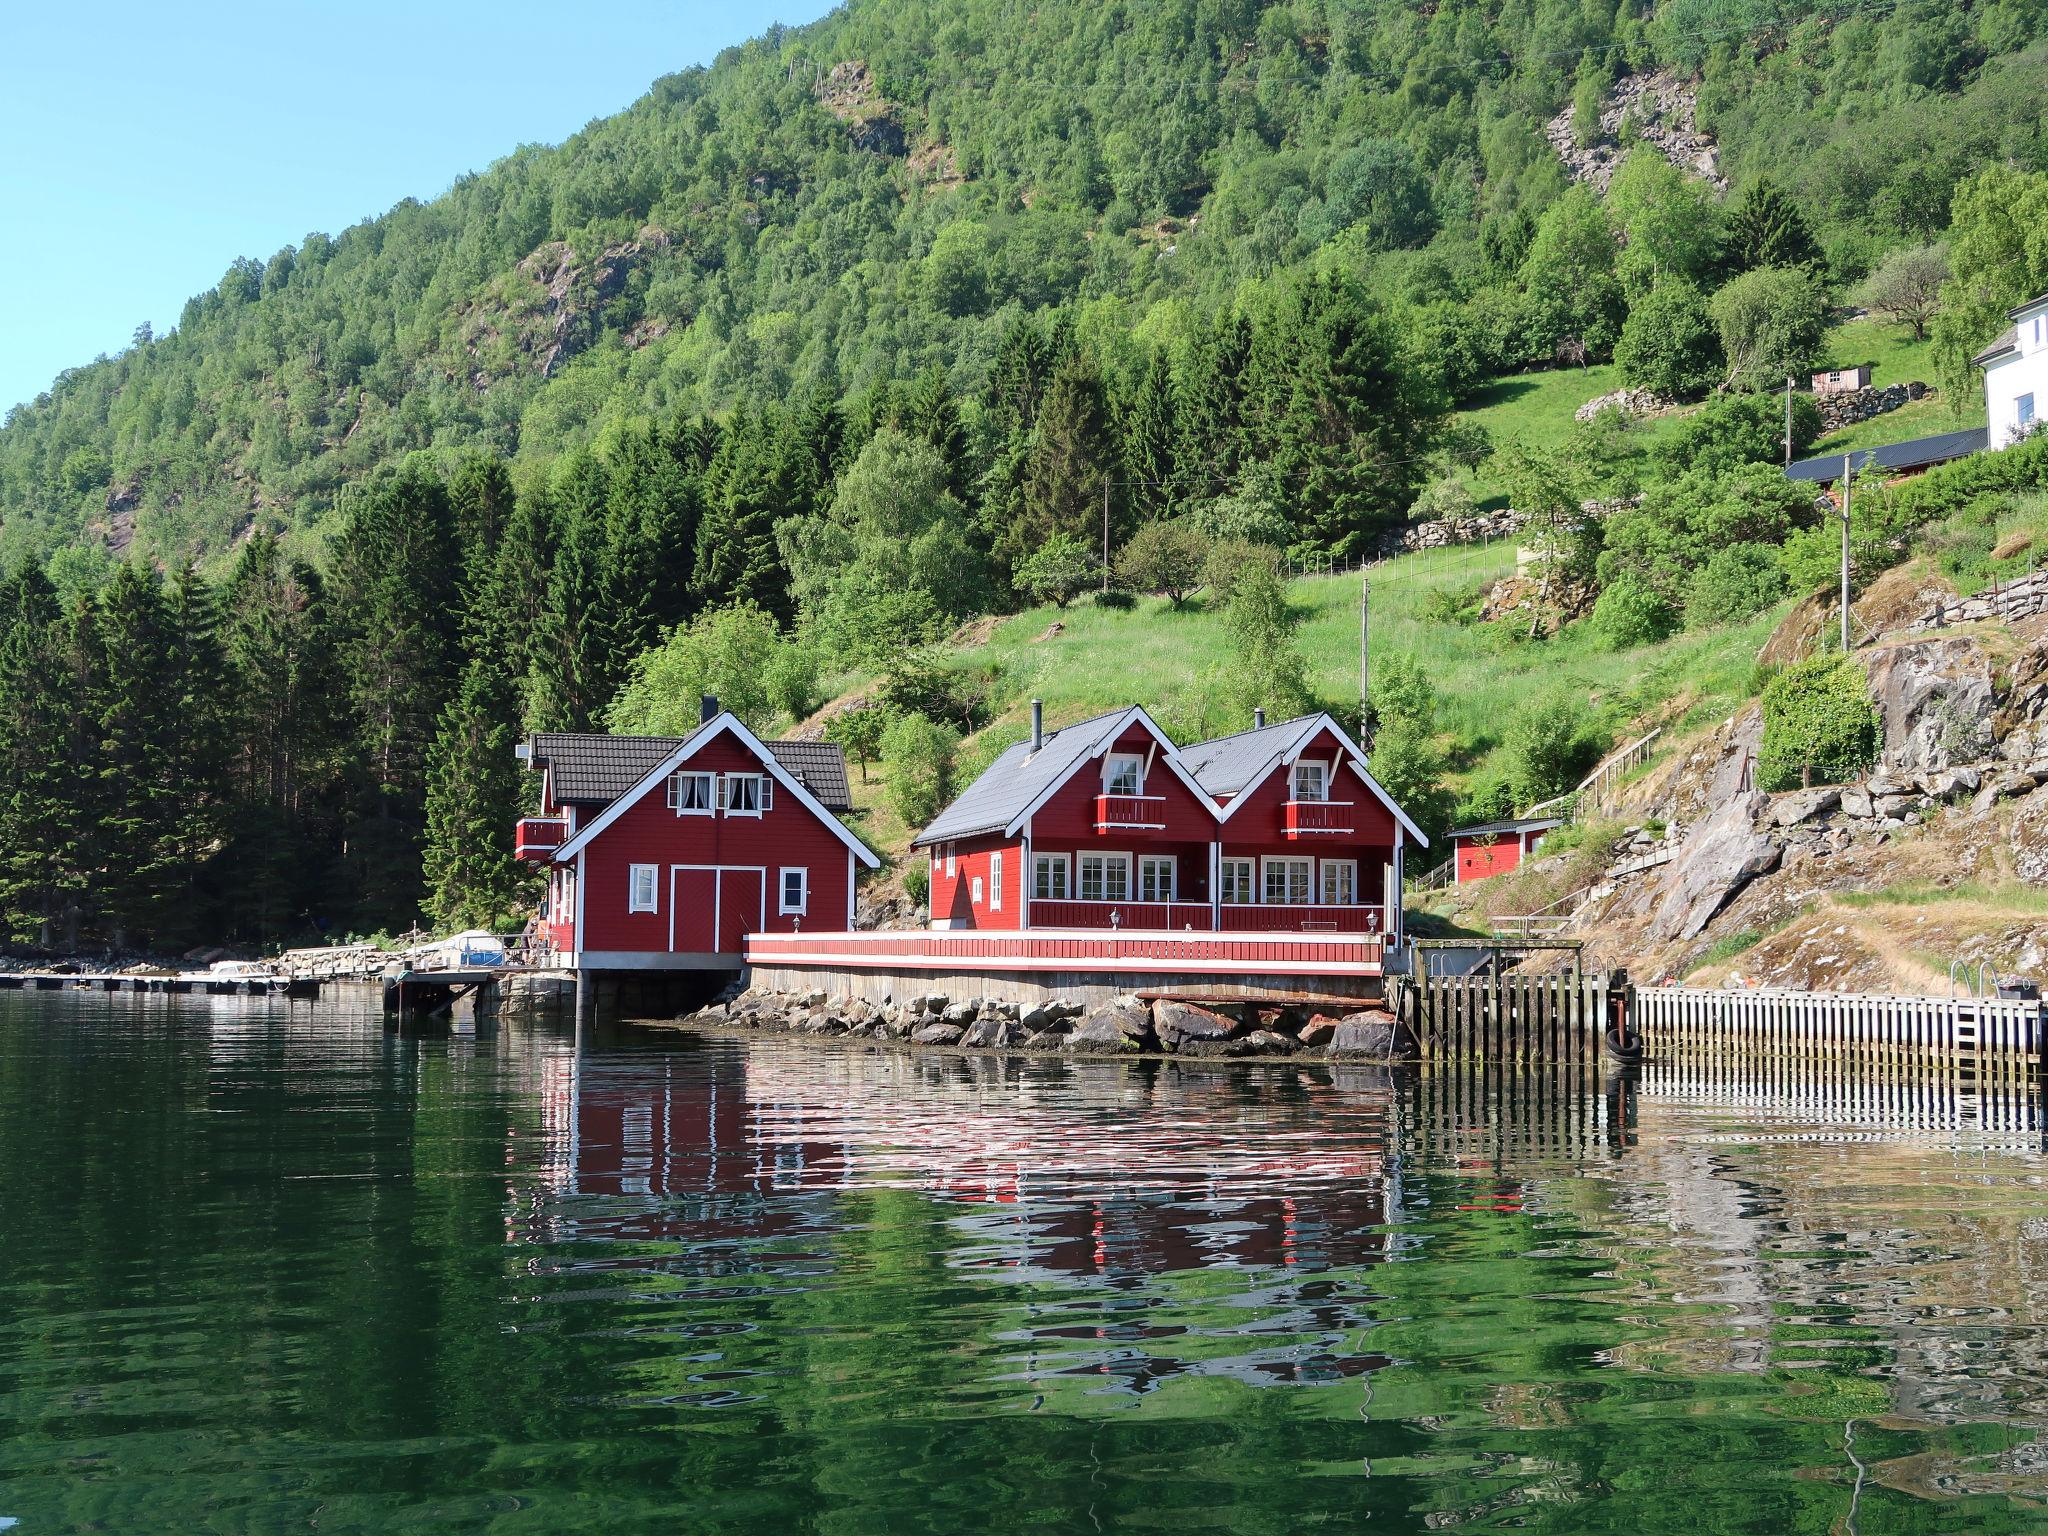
(1478, 859)
(719, 877)
(952, 895)
(1289, 954)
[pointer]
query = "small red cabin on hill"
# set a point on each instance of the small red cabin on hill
(664, 853)
(1498, 846)
(1106, 824)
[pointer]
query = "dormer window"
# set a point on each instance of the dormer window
(1311, 781)
(1124, 776)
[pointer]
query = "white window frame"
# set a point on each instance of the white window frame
(1148, 866)
(1105, 862)
(1232, 871)
(1349, 869)
(1114, 766)
(995, 881)
(1321, 770)
(2023, 415)
(707, 796)
(1042, 866)
(651, 874)
(951, 868)
(763, 795)
(783, 906)
(1291, 863)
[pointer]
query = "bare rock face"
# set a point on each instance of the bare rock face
(2030, 838)
(1180, 1024)
(1724, 853)
(1936, 700)
(1803, 805)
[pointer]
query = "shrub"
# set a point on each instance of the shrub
(1228, 562)
(1490, 801)
(1772, 323)
(1668, 344)
(1061, 570)
(792, 679)
(723, 651)
(858, 733)
(1730, 431)
(919, 757)
(1444, 499)
(1411, 767)
(1819, 725)
(1401, 690)
(1550, 747)
(917, 882)
(1735, 583)
(916, 684)
(1165, 557)
(1630, 613)
(1680, 525)
(1115, 598)
(1266, 667)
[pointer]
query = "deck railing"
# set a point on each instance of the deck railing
(1303, 918)
(538, 836)
(1124, 813)
(1122, 914)
(1316, 816)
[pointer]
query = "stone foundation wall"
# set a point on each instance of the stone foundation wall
(1122, 1026)
(1032, 987)
(2020, 599)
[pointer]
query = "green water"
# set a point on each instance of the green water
(269, 1267)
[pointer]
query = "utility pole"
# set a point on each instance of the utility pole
(1788, 418)
(1848, 490)
(1105, 533)
(1364, 651)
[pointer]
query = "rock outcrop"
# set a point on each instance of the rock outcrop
(1722, 855)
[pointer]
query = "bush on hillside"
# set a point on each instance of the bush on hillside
(1060, 570)
(1668, 343)
(1412, 767)
(1819, 725)
(858, 733)
(792, 679)
(916, 684)
(726, 652)
(918, 754)
(1730, 431)
(917, 881)
(1401, 690)
(1550, 746)
(1630, 612)
(1773, 324)
(1266, 668)
(1165, 557)
(1681, 524)
(1229, 561)
(1491, 800)
(1736, 583)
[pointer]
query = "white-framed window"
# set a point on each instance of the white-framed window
(691, 794)
(950, 866)
(1155, 877)
(795, 889)
(1340, 882)
(1124, 776)
(995, 881)
(1311, 781)
(748, 794)
(644, 888)
(2023, 411)
(1105, 877)
(1290, 882)
(1240, 883)
(1050, 873)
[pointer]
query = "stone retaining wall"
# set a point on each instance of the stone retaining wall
(1123, 1026)
(2020, 599)
(1030, 987)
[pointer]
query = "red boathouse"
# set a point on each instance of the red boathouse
(1498, 846)
(666, 853)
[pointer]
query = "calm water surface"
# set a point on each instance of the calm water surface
(269, 1268)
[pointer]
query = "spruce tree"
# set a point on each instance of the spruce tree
(480, 503)
(1209, 424)
(1072, 458)
(1149, 442)
(929, 411)
(653, 504)
(137, 810)
(475, 791)
(502, 627)
(1766, 229)
(42, 855)
(571, 676)
(748, 491)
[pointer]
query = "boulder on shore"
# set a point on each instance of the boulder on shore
(938, 1034)
(1102, 1033)
(1372, 1036)
(1179, 1024)
(994, 1033)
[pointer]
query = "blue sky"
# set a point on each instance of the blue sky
(144, 146)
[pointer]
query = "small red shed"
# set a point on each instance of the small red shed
(664, 853)
(1496, 847)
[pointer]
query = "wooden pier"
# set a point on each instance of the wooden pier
(199, 983)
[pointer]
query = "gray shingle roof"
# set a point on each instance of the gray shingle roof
(1917, 453)
(594, 770)
(1523, 824)
(1018, 777)
(2008, 341)
(1225, 765)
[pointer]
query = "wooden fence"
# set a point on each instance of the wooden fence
(1988, 1044)
(1509, 1018)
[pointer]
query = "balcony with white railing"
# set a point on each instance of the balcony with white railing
(1142, 915)
(1130, 813)
(1302, 917)
(537, 837)
(1311, 818)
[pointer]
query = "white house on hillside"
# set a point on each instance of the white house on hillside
(2016, 374)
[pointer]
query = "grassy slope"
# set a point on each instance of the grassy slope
(1151, 654)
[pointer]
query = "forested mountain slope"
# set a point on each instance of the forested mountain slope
(828, 210)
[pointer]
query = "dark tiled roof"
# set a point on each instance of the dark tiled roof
(590, 769)
(1018, 777)
(1226, 764)
(1916, 454)
(1493, 828)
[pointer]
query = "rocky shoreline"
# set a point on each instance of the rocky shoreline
(1126, 1026)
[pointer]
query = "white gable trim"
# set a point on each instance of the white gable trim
(1115, 728)
(1352, 755)
(725, 722)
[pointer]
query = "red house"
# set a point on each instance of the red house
(663, 853)
(1497, 847)
(1106, 824)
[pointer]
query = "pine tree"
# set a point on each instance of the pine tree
(475, 791)
(137, 812)
(1766, 229)
(1209, 405)
(748, 491)
(395, 591)
(1073, 457)
(1149, 442)
(929, 411)
(42, 856)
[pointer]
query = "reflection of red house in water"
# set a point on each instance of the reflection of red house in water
(716, 1145)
